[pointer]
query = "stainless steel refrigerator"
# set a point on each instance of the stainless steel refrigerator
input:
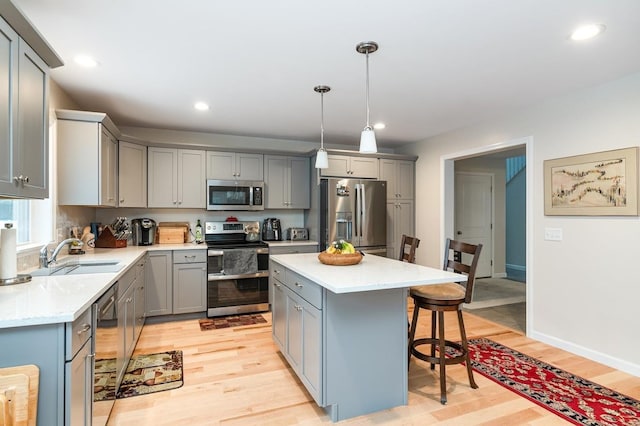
(354, 210)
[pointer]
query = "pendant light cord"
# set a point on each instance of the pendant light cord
(322, 121)
(367, 80)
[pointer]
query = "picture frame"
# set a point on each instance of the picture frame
(598, 184)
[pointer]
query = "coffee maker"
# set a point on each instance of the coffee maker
(143, 231)
(271, 230)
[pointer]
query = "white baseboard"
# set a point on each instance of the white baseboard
(618, 364)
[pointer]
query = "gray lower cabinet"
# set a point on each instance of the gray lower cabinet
(139, 298)
(348, 350)
(128, 311)
(189, 281)
(78, 371)
(176, 282)
(297, 326)
(159, 283)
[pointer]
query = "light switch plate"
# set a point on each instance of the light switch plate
(553, 234)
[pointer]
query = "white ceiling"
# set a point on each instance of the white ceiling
(441, 64)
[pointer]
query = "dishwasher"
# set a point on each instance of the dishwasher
(105, 349)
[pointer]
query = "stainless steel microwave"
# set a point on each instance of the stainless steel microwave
(235, 195)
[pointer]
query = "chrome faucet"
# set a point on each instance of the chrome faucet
(45, 261)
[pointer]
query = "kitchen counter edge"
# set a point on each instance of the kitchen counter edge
(60, 299)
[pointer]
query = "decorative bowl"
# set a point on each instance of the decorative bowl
(340, 259)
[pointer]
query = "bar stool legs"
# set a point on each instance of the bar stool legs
(437, 320)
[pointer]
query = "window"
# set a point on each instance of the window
(31, 218)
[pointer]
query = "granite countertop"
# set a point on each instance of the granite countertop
(289, 243)
(55, 299)
(372, 273)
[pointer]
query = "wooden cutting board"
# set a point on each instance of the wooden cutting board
(20, 384)
(173, 227)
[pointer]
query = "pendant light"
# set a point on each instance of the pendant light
(367, 137)
(322, 161)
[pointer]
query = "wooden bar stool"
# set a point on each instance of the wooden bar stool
(446, 297)
(408, 246)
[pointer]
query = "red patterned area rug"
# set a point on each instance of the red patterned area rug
(573, 398)
(230, 321)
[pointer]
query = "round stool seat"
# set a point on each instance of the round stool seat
(448, 292)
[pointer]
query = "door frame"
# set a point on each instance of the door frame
(493, 213)
(447, 209)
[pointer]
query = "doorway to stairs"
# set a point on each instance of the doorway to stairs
(482, 175)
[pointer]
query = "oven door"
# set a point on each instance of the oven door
(237, 294)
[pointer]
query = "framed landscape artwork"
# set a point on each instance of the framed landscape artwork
(599, 184)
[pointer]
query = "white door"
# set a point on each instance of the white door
(473, 207)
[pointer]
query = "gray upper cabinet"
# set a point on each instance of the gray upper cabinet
(132, 175)
(287, 181)
(87, 159)
(400, 177)
(24, 118)
(353, 167)
(234, 166)
(176, 178)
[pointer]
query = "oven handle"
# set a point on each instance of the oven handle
(215, 252)
(220, 277)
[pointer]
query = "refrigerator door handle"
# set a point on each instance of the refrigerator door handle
(363, 208)
(357, 208)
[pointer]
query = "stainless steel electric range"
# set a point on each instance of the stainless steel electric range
(237, 269)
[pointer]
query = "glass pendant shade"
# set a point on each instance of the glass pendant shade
(368, 141)
(322, 159)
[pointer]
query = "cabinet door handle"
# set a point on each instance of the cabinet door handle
(298, 307)
(298, 284)
(129, 300)
(84, 329)
(276, 271)
(277, 285)
(122, 200)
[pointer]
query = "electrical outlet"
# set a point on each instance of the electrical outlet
(553, 234)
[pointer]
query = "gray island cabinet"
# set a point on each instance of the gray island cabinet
(343, 329)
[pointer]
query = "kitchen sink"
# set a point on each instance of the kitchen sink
(80, 267)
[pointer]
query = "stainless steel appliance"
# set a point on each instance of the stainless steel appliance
(143, 232)
(235, 195)
(105, 342)
(271, 229)
(297, 234)
(354, 210)
(237, 269)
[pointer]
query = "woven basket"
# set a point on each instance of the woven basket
(340, 259)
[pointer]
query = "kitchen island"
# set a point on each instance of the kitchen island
(343, 329)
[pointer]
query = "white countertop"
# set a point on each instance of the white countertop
(372, 273)
(290, 243)
(55, 299)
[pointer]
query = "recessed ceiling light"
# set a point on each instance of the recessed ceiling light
(379, 126)
(585, 32)
(201, 106)
(85, 61)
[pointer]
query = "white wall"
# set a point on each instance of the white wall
(583, 292)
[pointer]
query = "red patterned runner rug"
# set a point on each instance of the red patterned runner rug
(573, 398)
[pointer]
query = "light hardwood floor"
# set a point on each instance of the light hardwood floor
(237, 377)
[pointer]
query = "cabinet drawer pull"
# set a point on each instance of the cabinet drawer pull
(84, 329)
(276, 271)
(277, 285)
(298, 284)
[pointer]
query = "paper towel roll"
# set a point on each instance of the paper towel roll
(8, 258)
